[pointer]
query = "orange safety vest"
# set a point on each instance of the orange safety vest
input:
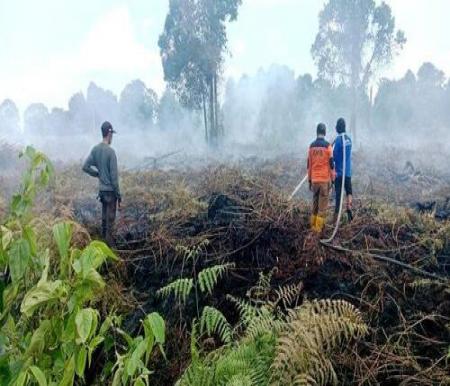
(320, 162)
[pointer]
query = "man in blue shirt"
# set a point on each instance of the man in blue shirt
(343, 172)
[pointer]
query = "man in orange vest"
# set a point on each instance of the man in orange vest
(321, 175)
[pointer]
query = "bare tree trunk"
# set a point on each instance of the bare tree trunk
(369, 111)
(216, 107)
(205, 118)
(212, 126)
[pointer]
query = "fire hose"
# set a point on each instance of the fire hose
(327, 242)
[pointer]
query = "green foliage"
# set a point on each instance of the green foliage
(180, 288)
(131, 367)
(276, 348)
(355, 37)
(192, 47)
(49, 326)
(208, 278)
(212, 322)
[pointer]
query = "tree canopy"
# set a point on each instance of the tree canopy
(355, 39)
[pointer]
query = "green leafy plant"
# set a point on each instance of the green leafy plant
(271, 347)
(211, 321)
(50, 328)
(131, 367)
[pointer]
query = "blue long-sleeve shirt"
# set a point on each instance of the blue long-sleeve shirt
(338, 156)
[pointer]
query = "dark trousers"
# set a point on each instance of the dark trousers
(338, 188)
(109, 208)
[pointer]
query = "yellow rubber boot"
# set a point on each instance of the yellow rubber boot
(320, 223)
(313, 221)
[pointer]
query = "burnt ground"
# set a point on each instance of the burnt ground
(246, 217)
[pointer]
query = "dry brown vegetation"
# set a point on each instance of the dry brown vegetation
(244, 213)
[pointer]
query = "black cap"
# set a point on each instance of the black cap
(321, 129)
(107, 128)
(340, 126)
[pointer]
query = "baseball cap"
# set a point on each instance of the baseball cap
(107, 128)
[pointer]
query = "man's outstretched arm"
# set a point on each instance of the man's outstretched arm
(88, 167)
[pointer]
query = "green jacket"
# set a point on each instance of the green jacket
(103, 159)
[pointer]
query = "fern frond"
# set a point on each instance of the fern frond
(180, 288)
(287, 295)
(262, 288)
(209, 277)
(312, 332)
(264, 322)
(247, 311)
(212, 321)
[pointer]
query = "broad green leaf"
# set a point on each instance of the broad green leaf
(81, 362)
(136, 358)
(38, 340)
(93, 344)
(106, 325)
(139, 382)
(94, 279)
(69, 372)
(46, 262)
(86, 323)
(158, 327)
(7, 237)
(69, 332)
(92, 257)
(62, 234)
(41, 294)
(19, 258)
(117, 377)
(30, 236)
(38, 375)
(21, 379)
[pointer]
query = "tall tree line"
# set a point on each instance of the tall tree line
(137, 109)
(193, 46)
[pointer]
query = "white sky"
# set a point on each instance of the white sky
(50, 49)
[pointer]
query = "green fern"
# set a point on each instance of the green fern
(212, 322)
(180, 288)
(247, 310)
(209, 277)
(276, 348)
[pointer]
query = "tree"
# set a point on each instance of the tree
(395, 104)
(192, 47)
(278, 116)
(58, 122)
(102, 104)
(138, 106)
(430, 107)
(9, 118)
(80, 115)
(170, 113)
(355, 39)
(36, 119)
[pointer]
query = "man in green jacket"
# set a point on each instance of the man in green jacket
(102, 164)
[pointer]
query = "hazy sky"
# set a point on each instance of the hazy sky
(50, 49)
